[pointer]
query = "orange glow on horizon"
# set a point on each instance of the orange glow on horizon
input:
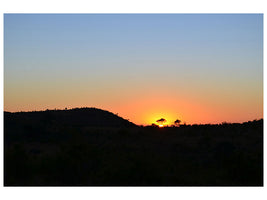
(148, 109)
(152, 107)
(144, 78)
(145, 109)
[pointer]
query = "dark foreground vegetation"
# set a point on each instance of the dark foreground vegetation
(91, 147)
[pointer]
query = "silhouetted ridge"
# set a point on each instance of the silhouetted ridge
(92, 147)
(80, 117)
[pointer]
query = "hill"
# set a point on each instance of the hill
(77, 117)
(71, 148)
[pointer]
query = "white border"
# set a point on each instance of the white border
(133, 6)
(123, 6)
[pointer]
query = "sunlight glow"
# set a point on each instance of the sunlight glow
(142, 79)
(161, 125)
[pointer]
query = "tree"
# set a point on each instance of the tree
(177, 122)
(161, 121)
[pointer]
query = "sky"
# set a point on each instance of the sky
(199, 68)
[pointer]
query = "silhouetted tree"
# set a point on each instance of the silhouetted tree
(177, 122)
(161, 121)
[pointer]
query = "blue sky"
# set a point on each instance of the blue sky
(121, 56)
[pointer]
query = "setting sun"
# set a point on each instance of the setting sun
(133, 99)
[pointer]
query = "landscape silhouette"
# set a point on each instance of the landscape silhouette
(93, 147)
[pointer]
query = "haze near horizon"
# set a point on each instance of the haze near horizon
(200, 68)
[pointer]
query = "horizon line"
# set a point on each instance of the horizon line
(168, 125)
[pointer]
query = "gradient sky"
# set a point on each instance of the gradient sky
(200, 68)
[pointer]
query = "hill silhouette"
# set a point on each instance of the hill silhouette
(93, 147)
(77, 117)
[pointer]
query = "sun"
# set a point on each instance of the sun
(161, 125)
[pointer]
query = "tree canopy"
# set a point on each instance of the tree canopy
(161, 121)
